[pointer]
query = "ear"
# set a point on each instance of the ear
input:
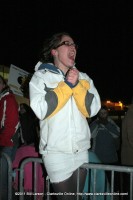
(53, 52)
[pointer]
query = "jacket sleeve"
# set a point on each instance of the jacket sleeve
(94, 129)
(87, 98)
(45, 101)
(10, 119)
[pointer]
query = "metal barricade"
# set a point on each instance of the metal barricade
(112, 169)
(9, 162)
(90, 166)
(21, 192)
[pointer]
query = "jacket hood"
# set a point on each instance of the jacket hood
(5, 92)
(37, 65)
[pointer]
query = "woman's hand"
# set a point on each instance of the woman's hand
(72, 76)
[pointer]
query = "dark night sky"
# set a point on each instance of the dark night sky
(102, 29)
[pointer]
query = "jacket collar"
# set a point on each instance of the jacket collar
(48, 66)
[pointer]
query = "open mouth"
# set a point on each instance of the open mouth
(71, 56)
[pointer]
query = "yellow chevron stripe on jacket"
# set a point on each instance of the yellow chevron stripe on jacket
(63, 92)
(79, 94)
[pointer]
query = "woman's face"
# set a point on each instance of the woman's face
(2, 85)
(65, 54)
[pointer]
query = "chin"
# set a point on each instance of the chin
(72, 65)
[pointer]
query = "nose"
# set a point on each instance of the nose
(73, 46)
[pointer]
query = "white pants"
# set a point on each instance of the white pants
(60, 166)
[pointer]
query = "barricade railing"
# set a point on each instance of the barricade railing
(9, 162)
(90, 166)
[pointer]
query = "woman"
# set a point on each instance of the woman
(62, 98)
(9, 124)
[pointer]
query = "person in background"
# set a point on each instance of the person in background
(29, 126)
(9, 134)
(62, 98)
(127, 146)
(105, 135)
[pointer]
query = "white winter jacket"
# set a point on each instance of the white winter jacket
(62, 109)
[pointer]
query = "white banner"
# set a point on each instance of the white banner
(16, 77)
